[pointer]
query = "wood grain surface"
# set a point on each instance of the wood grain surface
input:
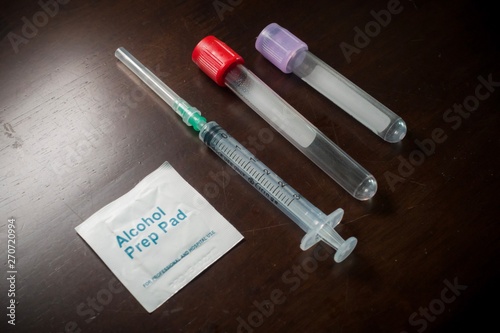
(78, 130)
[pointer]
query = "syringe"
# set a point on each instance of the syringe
(226, 68)
(290, 54)
(315, 223)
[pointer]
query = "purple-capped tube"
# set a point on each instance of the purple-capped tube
(290, 54)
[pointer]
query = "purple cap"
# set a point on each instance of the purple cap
(279, 46)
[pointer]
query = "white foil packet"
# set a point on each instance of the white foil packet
(159, 236)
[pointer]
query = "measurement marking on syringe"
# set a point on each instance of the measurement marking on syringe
(246, 165)
(242, 163)
(287, 203)
(269, 185)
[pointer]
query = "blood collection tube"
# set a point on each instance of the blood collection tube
(290, 54)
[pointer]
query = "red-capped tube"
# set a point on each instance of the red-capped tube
(215, 58)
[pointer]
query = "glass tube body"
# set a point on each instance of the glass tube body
(348, 96)
(301, 133)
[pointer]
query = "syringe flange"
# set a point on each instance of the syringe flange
(325, 231)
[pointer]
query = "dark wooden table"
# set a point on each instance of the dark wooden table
(78, 131)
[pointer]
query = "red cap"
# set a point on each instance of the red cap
(215, 58)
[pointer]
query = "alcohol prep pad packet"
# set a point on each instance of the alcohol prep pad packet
(159, 236)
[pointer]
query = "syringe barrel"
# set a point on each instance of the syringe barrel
(270, 185)
(308, 217)
(290, 54)
(226, 67)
